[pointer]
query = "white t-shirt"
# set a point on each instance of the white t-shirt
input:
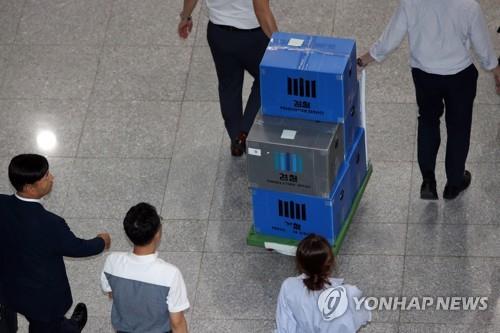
(145, 290)
(302, 311)
(235, 13)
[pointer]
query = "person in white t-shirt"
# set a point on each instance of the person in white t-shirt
(238, 33)
(149, 294)
(440, 35)
(313, 302)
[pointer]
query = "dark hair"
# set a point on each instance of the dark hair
(141, 223)
(27, 169)
(315, 259)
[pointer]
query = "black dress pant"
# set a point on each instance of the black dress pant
(60, 325)
(8, 320)
(235, 51)
(456, 94)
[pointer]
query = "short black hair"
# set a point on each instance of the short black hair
(27, 169)
(141, 223)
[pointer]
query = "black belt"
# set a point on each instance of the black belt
(231, 28)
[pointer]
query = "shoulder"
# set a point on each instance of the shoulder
(115, 260)
(474, 6)
(53, 216)
(5, 199)
(52, 221)
(167, 269)
(352, 291)
(114, 257)
(293, 282)
(165, 274)
(468, 6)
(406, 3)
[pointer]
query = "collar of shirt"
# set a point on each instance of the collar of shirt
(27, 199)
(143, 259)
(335, 281)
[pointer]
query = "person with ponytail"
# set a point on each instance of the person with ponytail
(314, 302)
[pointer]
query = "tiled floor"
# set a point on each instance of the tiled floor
(136, 115)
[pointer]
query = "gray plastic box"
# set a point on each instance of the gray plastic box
(294, 155)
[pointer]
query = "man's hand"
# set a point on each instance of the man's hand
(496, 75)
(106, 238)
(186, 24)
(364, 60)
(265, 17)
(185, 27)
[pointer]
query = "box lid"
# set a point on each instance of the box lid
(292, 132)
(308, 53)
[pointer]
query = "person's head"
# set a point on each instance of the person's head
(29, 175)
(315, 259)
(142, 225)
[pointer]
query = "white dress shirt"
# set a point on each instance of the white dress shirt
(235, 13)
(298, 309)
(440, 34)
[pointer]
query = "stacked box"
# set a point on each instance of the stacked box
(294, 155)
(356, 161)
(306, 153)
(293, 216)
(351, 124)
(308, 77)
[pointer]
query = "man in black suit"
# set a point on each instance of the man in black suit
(33, 242)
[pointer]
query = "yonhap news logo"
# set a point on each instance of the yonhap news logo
(333, 303)
(439, 303)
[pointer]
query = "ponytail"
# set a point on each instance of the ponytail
(315, 259)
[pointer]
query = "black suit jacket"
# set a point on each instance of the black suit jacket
(33, 242)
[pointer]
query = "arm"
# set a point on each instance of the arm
(178, 302)
(392, 36)
(361, 316)
(481, 42)
(106, 288)
(496, 74)
(186, 23)
(285, 322)
(68, 245)
(178, 322)
(265, 16)
(480, 39)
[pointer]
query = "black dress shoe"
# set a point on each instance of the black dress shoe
(236, 150)
(79, 315)
(428, 190)
(451, 191)
(239, 145)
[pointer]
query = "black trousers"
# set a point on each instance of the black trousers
(235, 51)
(60, 325)
(456, 94)
(8, 320)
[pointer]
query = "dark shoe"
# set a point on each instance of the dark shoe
(236, 150)
(428, 190)
(79, 315)
(452, 191)
(239, 145)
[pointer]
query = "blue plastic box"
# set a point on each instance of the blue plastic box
(294, 216)
(352, 123)
(308, 77)
(357, 162)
